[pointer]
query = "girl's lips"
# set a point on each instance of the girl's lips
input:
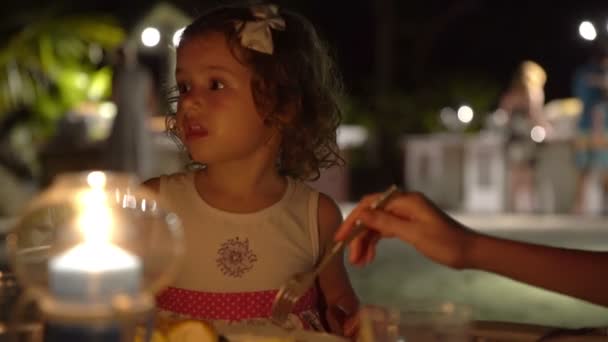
(196, 132)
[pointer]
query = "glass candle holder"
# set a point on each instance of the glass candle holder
(95, 248)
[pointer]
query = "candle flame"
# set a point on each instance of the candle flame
(95, 217)
(96, 179)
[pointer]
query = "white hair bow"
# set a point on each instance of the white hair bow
(256, 34)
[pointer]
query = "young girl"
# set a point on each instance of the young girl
(256, 107)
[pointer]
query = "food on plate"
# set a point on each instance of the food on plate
(167, 330)
(192, 331)
(157, 335)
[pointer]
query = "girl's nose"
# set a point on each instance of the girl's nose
(188, 105)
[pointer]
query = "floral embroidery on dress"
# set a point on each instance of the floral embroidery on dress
(235, 258)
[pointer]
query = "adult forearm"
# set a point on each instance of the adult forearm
(580, 274)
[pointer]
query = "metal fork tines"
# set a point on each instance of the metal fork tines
(297, 285)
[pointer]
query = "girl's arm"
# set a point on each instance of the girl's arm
(333, 280)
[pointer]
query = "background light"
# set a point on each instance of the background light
(177, 36)
(150, 37)
(500, 117)
(465, 114)
(446, 114)
(587, 30)
(538, 134)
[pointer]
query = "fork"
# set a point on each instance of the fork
(297, 285)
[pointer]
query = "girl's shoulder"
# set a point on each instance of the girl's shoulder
(329, 218)
(324, 202)
(330, 215)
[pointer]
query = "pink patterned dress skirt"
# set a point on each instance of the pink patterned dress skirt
(251, 308)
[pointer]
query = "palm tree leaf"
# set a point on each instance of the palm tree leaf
(49, 62)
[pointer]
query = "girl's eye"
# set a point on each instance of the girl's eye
(216, 85)
(183, 88)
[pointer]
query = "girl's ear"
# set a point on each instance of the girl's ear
(273, 109)
(293, 108)
(273, 112)
(284, 115)
(264, 100)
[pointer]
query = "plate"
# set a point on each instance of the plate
(269, 333)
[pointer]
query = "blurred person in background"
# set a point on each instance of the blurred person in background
(590, 84)
(523, 101)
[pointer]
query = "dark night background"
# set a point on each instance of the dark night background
(430, 38)
(402, 60)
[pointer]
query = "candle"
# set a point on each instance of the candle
(93, 273)
(95, 270)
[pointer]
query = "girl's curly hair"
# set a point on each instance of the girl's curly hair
(298, 86)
